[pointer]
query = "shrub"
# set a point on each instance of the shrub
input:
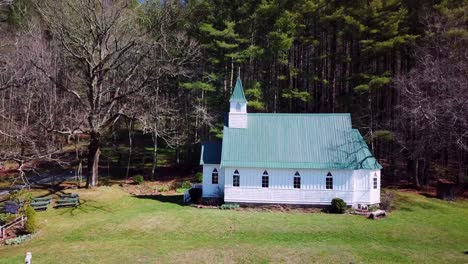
(195, 194)
(386, 201)
(186, 185)
(31, 222)
(6, 218)
(199, 177)
(138, 179)
(338, 206)
(229, 206)
(163, 188)
(21, 196)
(17, 240)
(181, 190)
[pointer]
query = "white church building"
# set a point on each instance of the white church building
(299, 159)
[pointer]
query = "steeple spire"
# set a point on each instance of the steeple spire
(238, 93)
(238, 106)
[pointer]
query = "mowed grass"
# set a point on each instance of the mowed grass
(114, 227)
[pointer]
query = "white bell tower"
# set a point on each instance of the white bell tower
(238, 107)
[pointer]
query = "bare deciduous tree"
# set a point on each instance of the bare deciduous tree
(105, 63)
(31, 106)
(434, 97)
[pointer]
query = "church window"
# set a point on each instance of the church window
(297, 180)
(375, 181)
(214, 176)
(265, 180)
(329, 181)
(236, 179)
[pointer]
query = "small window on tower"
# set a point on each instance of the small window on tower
(238, 107)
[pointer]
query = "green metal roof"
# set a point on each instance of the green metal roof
(364, 158)
(299, 141)
(211, 153)
(238, 94)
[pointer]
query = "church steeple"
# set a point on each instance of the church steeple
(238, 106)
(238, 94)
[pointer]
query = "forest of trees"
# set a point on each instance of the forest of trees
(71, 68)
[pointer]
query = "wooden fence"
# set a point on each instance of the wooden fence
(20, 220)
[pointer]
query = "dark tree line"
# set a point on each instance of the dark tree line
(398, 66)
(169, 66)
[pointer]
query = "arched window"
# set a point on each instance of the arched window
(214, 176)
(297, 180)
(329, 181)
(238, 107)
(265, 180)
(375, 181)
(236, 179)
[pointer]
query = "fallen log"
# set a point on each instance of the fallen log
(377, 214)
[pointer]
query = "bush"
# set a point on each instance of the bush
(181, 190)
(195, 194)
(21, 196)
(186, 185)
(17, 240)
(229, 206)
(338, 206)
(199, 177)
(31, 222)
(386, 201)
(6, 218)
(163, 188)
(138, 179)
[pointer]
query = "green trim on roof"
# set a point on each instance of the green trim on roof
(238, 94)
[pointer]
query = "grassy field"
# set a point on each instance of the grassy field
(114, 227)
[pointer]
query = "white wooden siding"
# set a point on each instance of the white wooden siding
(374, 193)
(284, 178)
(237, 120)
(209, 189)
(353, 186)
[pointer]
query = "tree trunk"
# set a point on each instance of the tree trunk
(178, 155)
(461, 171)
(130, 148)
(416, 174)
(154, 136)
(94, 151)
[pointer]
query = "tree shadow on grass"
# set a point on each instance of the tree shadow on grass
(173, 199)
(83, 207)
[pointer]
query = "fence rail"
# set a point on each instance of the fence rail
(21, 219)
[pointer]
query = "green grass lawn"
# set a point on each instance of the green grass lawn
(114, 227)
